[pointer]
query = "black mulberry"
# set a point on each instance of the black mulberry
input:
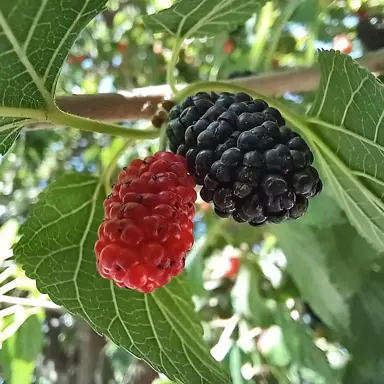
(251, 166)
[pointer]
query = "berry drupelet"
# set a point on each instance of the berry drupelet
(251, 166)
(147, 230)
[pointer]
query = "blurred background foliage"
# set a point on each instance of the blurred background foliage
(254, 317)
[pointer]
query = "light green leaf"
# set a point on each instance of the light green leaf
(199, 18)
(35, 37)
(237, 359)
(195, 265)
(246, 297)
(301, 346)
(323, 212)
(20, 351)
(348, 135)
(161, 328)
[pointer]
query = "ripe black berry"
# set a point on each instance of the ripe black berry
(232, 157)
(251, 166)
(246, 121)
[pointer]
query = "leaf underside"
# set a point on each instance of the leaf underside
(348, 121)
(56, 249)
(199, 18)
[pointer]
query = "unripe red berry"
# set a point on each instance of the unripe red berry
(148, 226)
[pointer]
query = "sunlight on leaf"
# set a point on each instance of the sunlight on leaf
(35, 37)
(348, 121)
(199, 18)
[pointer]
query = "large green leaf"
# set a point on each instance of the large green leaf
(247, 299)
(370, 370)
(199, 18)
(19, 352)
(308, 255)
(35, 37)
(340, 275)
(303, 351)
(348, 133)
(56, 249)
(366, 337)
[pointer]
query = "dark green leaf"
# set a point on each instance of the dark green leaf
(20, 351)
(162, 327)
(365, 341)
(306, 12)
(9, 131)
(367, 311)
(348, 134)
(302, 348)
(341, 276)
(35, 37)
(199, 18)
(309, 267)
(370, 370)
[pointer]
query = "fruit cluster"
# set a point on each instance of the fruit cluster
(148, 225)
(249, 163)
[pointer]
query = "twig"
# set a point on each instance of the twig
(141, 103)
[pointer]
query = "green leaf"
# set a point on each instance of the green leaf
(367, 308)
(323, 212)
(35, 37)
(341, 276)
(237, 358)
(370, 370)
(348, 134)
(20, 351)
(302, 348)
(199, 18)
(195, 265)
(310, 271)
(9, 131)
(305, 12)
(161, 328)
(246, 297)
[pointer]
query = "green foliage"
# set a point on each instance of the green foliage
(335, 259)
(200, 18)
(60, 235)
(348, 122)
(339, 273)
(247, 299)
(300, 345)
(19, 352)
(35, 39)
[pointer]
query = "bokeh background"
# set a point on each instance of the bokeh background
(239, 274)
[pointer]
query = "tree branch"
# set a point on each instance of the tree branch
(141, 103)
(90, 345)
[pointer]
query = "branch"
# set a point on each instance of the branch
(90, 346)
(141, 103)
